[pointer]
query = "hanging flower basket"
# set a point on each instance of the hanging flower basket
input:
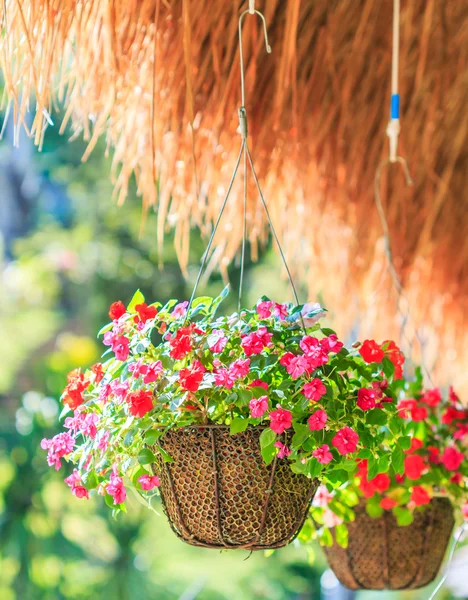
(219, 493)
(381, 554)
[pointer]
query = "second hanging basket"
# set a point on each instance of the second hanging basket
(382, 555)
(219, 493)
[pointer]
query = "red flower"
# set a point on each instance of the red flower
(181, 343)
(98, 372)
(453, 396)
(462, 431)
(191, 378)
(452, 459)
(456, 478)
(145, 313)
(420, 496)
(116, 310)
(141, 402)
(286, 359)
(416, 444)
(254, 342)
(434, 455)
(345, 441)
(452, 414)
(371, 352)
(388, 503)
(396, 356)
(381, 482)
(73, 392)
(281, 419)
(432, 397)
(314, 390)
(414, 466)
(367, 398)
(317, 420)
(258, 383)
(410, 408)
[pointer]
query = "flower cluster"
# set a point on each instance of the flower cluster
(429, 460)
(320, 406)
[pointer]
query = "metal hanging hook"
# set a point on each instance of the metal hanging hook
(251, 10)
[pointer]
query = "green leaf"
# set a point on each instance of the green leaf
(151, 436)
(404, 442)
(314, 468)
(238, 424)
(166, 456)
(138, 298)
(388, 368)
(376, 416)
(104, 329)
(373, 508)
(268, 453)
(146, 457)
(267, 438)
(398, 460)
(403, 516)
(372, 468)
(338, 476)
(302, 434)
(90, 480)
(395, 424)
(326, 538)
(341, 535)
(327, 331)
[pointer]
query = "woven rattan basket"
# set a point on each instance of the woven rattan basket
(382, 555)
(218, 492)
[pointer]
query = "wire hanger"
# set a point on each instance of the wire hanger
(247, 162)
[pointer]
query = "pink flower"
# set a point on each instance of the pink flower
(323, 454)
(104, 441)
(148, 482)
(314, 390)
(311, 313)
(316, 354)
(88, 425)
(452, 459)
(258, 383)
(331, 519)
(280, 310)
(264, 309)
(180, 309)
(153, 372)
(74, 483)
(322, 497)
(240, 368)
(120, 347)
(258, 406)
(297, 366)
(317, 420)
(255, 342)
(224, 378)
(283, 451)
(331, 343)
(217, 341)
(345, 441)
(58, 447)
(465, 511)
(367, 398)
(281, 419)
(116, 489)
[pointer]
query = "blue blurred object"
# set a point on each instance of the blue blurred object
(331, 588)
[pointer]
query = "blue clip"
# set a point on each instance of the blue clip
(395, 106)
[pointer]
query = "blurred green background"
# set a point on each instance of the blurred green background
(66, 252)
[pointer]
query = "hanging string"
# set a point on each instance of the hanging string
(393, 130)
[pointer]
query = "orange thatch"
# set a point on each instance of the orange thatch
(160, 79)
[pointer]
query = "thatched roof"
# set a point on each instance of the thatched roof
(318, 108)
